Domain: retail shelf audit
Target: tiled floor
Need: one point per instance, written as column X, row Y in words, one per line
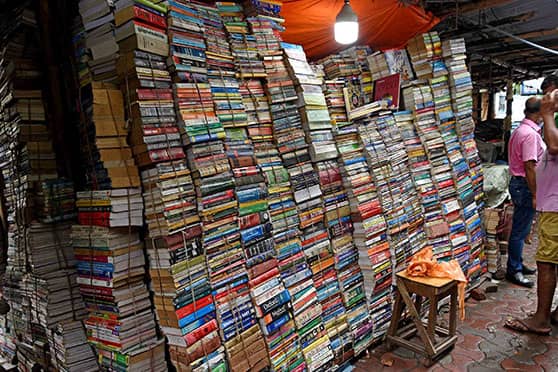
column 484, row 344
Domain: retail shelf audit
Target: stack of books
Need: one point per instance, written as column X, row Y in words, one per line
column 336, row 103
column 340, row 224
column 154, row 133
column 357, row 280
column 283, row 339
column 105, row 152
column 421, row 50
column 491, row 220
column 99, row 49
column 244, row 44
column 379, row 255
column 418, row 170
column 341, row 252
column 110, row 208
column 340, row 65
column 470, row 185
column 70, row 351
column 111, row 272
column 360, row 54
column 309, row 312
column 193, row 331
column 378, row 65
column 56, row 201
column 267, row 11
column 40, row 278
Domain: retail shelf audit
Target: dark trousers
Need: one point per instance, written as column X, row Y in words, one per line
column 523, row 214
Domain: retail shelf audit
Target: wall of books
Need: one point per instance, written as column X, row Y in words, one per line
column 243, row 208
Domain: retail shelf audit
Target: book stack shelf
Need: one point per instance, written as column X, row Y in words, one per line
column 39, row 281
column 196, row 341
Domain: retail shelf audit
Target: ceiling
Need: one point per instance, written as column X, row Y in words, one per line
column 495, row 57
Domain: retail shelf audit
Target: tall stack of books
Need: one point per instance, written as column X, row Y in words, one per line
column 308, row 195
column 418, row 168
column 111, row 265
column 340, row 226
column 111, row 274
column 379, row 256
column 197, row 344
column 39, row 282
column 470, row 177
column 323, row 153
column 284, row 340
column 341, row 252
column 357, row 279
column 419, row 98
column 240, row 333
column 98, row 48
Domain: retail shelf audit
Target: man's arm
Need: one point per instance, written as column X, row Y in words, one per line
column 531, row 177
column 548, row 107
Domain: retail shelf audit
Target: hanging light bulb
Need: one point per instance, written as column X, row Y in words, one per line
column 346, row 25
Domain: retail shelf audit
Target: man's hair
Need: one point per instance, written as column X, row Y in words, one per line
column 532, row 105
column 549, row 81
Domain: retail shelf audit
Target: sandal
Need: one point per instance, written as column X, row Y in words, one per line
column 520, row 326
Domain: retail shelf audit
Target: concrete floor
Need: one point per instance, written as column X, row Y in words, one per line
column 484, row 344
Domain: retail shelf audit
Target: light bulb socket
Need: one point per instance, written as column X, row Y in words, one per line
column 346, row 14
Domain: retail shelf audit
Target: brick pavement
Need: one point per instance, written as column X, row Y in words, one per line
column 484, row 344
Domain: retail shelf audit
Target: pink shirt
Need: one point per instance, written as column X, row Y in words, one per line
column 525, row 144
column 547, row 183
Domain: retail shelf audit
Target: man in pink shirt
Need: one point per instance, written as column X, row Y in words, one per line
column 526, row 149
column 547, row 205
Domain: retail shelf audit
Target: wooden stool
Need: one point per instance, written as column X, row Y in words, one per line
column 434, row 289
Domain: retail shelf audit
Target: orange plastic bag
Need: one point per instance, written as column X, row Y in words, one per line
column 423, row 263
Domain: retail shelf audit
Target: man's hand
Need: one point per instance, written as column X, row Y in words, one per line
column 549, row 104
column 534, row 202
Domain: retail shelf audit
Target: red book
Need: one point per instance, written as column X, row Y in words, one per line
column 188, row 309
column 199, row 333
column 149, row 17
column 264, row 277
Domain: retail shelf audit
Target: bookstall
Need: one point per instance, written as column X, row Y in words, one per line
column 239, row 206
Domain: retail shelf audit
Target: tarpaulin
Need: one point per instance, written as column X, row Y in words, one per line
column 384, row 24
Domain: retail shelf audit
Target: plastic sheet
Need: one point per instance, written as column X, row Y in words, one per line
column 424, row 264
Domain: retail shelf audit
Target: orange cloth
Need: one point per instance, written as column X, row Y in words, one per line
column 423, row 263
column 384, row 24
